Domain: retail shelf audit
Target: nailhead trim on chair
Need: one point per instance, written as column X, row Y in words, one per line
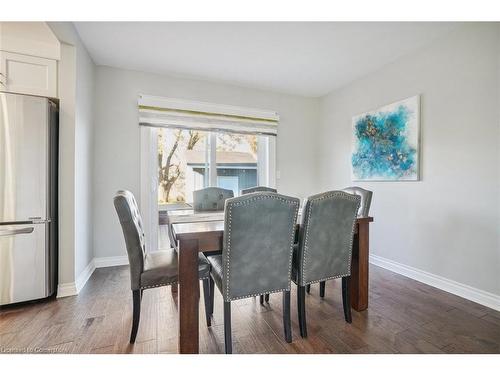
column 167, row 284
column 260, row 196
column 322, row 197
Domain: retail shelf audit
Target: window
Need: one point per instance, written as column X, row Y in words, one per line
column 236, row 158
column 190, row 160
column 187, row 145
column 183, row 164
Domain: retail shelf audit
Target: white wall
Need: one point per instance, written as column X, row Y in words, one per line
column 76, row 89
column 66, row 90
column 85, row 80
column 448, row 223
column 117, row 142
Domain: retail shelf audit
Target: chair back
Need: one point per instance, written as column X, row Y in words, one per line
column 258, row 188
column 366, row 199
column 132, row 227
column 259, row 231
column 211, row 198
column 326, row 237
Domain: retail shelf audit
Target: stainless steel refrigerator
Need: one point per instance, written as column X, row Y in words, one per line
column 28, row 197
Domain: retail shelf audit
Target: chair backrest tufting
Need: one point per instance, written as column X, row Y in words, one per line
column 211, row 198
column 259, row 231
column 366, row 199
column 326, row 236
column 133, row 231
column 258, row 188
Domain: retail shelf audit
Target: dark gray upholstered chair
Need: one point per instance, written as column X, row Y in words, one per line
column 366, row 199
column 258, row 188
column 257, row 251
column 363, row 211
column 150, row 270
column 324, row 250
column 211, row 198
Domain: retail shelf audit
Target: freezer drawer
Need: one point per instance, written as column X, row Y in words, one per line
column 24, row 262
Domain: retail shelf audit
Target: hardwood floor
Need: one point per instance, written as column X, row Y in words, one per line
column 404, row 316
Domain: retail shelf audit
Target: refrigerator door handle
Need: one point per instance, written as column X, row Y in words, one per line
column 11, row 232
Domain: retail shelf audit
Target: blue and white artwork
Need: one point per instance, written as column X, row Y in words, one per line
column 386, row 143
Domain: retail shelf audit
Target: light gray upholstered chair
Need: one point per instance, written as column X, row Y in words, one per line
column 258, row 188
column 150, row 270
column 211, row 198
column 324, row 250
column 366, row 199
column 363, row 211
column 257, row 251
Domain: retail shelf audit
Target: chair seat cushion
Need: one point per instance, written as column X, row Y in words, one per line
column 216, row 272
column 160, row 268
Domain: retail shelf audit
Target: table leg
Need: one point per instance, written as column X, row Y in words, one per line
column 359, row 268
column 189, row 291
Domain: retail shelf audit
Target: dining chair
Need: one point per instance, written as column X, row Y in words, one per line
column 254, row 190
column 258, row 188
column 363, row 211
column 150, row 269
column 324, row 250
column 366, row 199
column 256, row 255
column 211, row 198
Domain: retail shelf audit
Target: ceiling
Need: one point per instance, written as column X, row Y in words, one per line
column 302, row 58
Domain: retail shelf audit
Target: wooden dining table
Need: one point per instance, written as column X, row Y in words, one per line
column 203, row 231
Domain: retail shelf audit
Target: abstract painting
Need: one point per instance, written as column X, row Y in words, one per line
column 386, row 143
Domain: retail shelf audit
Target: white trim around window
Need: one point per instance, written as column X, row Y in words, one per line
column 149, row 187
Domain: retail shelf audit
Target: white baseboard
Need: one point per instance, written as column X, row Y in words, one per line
column 84, row 276
column 465, row 291
column 66, row 290
column 111, row 261
column 72, row 289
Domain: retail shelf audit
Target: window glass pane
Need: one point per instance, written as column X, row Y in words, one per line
column 182, row 164
column 236, row 156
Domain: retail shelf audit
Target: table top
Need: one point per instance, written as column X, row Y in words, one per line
column 193, row 230
column 189, row 224
column 190, row 216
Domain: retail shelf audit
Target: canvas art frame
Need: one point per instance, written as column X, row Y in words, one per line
column 386, row 142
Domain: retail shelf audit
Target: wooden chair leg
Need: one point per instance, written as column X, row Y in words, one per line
column 228, row 342
column 346, row 298
column 287, row 322
column 266, row 298
column 212, row 295
column 136, row 297
column 301, row 307
column 207, row 299
column 322, row 285
column 308, row 288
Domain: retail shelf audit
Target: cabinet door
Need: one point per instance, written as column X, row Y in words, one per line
column 28, row 74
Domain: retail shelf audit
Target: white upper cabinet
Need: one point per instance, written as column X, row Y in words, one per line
column 29, row 52
column 28, row 74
